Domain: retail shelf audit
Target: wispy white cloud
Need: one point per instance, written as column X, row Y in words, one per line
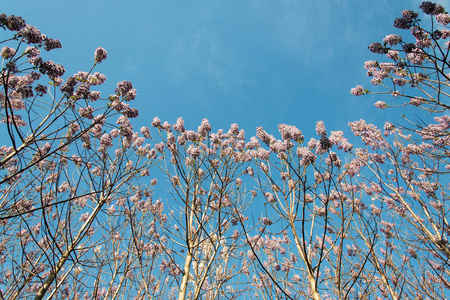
column 293, row 25
column 199, row 52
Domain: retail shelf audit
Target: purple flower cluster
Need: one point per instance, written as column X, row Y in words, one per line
column 31, row 34
column 82, row 91
column 14, row 103
column 204, row 128
column 352, row 250
column 320, row 128
column 179, row 126
column 106, row 141
column 11, row 67
column 380, row 104
column 278, row 146
column 289, row 132
column 392, row 39
column 333, row 159
column 234, row 129
column 68, row 87
column 96, row 78
column 145, row 131
column 26, row 91
column 408, row 47
column 418, row 33
column 100, row 55
column 307, row 157
column 156, row 122
column 194, row 152
column 94, row 95
column 427, row 7
column 409, row 14
column 263, row 136
column 96, row 171
column 399, row 81
column 407, row 19
column 357, row 91
column 393, row 54
column 50, row 44
column 377, row 48
column 170, row 138
column 12, row 22
column 175, row 180
column 7, row 52
column 253, row 144
column 270, row 197
column 387, row 230
column 417, row 101
column 40, row 89
column 444, row 19
column 52, row 69
column 337, row 138
column 369, row 134
column 192, row 136
column 32, row 52
column 431, row 8
column 125, row 89
column 263, row 154
column 16, row 119
column 324, row 144
column 86, row 112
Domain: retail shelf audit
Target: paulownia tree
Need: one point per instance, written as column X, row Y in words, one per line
column 79, row 216
column 208, row 199
column 91, row 208
column 371, row 223
column 68, row 154
column 406, row 167
column 316, row 238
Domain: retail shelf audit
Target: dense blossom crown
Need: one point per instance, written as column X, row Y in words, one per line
column 289, row 132
column 377, row 48
column 325, row 143
column 112, row 157
column 100, row 55
column 357, row 91
column 444, row 19
column 407, row 19
column 50, row 44
column 430, row 8
column 7, row 52
column 409, row 14
column 12, row 22
column 31, row 34
column 392, row 39
column 123, row 87
column 320, row 128
column 415, row 54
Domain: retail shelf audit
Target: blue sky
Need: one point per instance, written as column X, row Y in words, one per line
column 255, row 63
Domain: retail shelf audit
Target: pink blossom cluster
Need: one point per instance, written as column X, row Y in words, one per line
column 337, row 138
column 7, row 52
column 392, row 39
column 444, row 19
column 307, row 157
column 289, row 132
column 100, row 55
column 204, row 128
column 369, row 134
column 357, row 91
